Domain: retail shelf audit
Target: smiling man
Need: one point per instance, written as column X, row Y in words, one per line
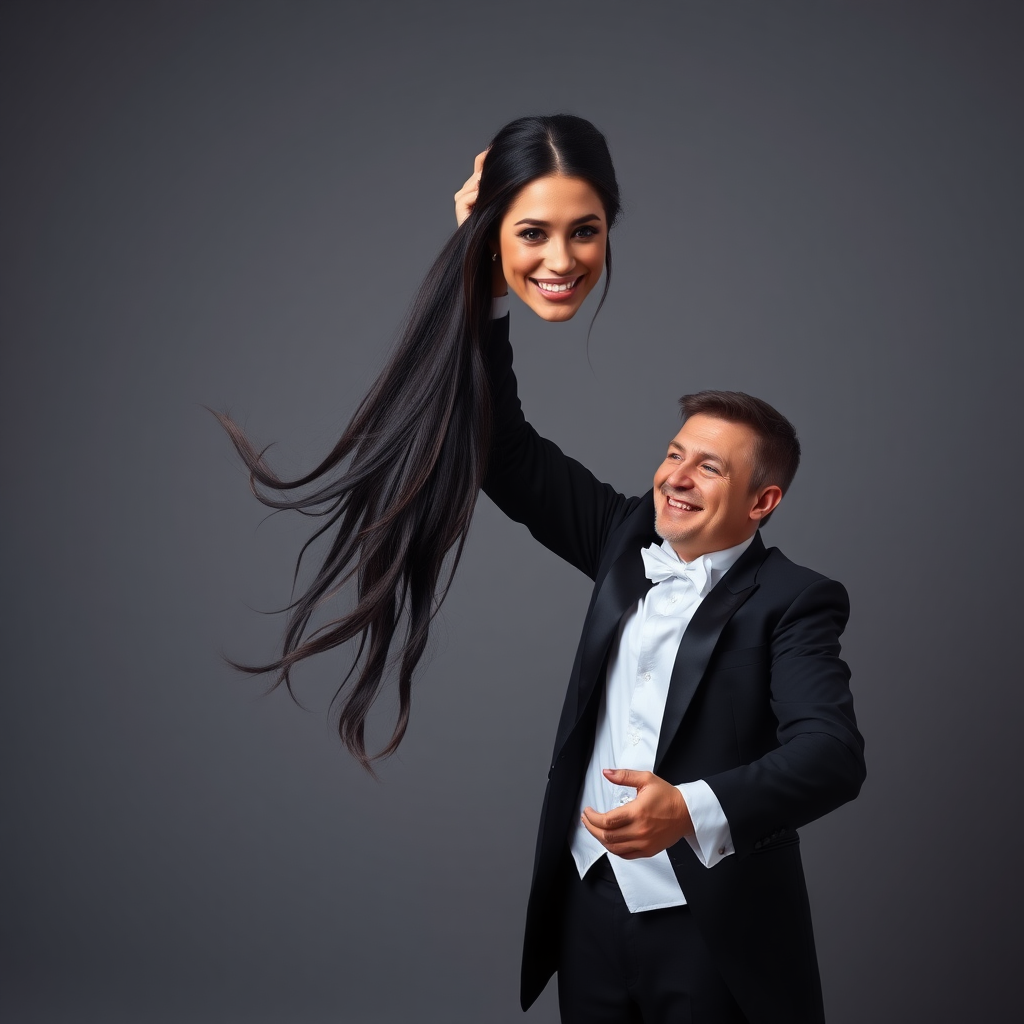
column 713, row 489
column 708, row 716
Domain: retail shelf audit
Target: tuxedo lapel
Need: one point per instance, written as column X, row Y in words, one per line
column 702, row 635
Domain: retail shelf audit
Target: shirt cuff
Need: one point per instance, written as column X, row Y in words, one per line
column 499, row 307
column 712, row 838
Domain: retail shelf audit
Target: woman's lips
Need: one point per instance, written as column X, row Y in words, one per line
column 555, row 290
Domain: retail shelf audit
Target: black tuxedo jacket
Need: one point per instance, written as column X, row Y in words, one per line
column 759, row 707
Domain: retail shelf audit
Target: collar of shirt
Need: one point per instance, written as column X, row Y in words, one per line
column 661, row 563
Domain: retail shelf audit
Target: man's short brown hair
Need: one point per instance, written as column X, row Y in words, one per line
column 777, row 452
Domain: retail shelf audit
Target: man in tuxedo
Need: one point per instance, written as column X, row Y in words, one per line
column 708, row 716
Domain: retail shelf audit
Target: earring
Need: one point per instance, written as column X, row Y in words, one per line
column 494, row 257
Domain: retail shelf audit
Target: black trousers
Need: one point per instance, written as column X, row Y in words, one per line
column 621, row 968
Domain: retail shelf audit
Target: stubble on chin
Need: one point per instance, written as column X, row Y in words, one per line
column 660, row 531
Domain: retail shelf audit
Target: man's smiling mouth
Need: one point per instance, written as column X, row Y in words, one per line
column 684, row 505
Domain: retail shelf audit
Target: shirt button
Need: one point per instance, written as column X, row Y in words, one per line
column 623, row 800
column 721, row 851
column 647, row 677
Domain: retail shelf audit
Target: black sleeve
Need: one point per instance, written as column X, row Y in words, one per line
column 562, row 503
column 819, row 763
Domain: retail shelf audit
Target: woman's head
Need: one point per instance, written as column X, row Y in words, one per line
column 552, row 243
column 548, row 197
column 423, row 431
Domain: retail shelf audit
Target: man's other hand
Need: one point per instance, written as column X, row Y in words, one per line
column 465, row 198
column 657, row 819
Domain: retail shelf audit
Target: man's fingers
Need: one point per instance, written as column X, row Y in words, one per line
column 627, row 777
column 608, row 821
column 465, row 200
column 618, row 840
column 654, row 821
column 471, row 184
column 595, row 819
column 597, row 828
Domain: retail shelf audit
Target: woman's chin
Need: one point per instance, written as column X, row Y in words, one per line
column 558, row 314
column 553, row 312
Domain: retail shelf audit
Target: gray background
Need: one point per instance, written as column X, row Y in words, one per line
column 231, row 204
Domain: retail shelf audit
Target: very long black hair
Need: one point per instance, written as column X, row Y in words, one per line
column 397, row 491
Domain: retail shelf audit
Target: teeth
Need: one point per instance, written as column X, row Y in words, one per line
column 683, row 505
column 546, row 287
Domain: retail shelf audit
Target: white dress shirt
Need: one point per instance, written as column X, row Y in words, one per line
column 629, row 725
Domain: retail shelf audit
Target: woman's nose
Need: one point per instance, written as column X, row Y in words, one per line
column 559, row 259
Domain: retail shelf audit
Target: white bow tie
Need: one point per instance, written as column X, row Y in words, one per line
column 660, row 566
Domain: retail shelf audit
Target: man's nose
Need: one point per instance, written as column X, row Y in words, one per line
column 680, row 477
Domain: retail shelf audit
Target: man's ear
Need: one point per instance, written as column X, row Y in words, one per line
column 767, row 499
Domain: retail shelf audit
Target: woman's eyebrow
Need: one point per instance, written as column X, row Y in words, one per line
column 547, row 224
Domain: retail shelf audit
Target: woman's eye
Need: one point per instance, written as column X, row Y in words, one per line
column 531, row 235
column 586, row 232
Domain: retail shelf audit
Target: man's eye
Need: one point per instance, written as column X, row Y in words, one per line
column 710, row 469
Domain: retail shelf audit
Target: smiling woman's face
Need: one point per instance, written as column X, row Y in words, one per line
column 552, row 243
